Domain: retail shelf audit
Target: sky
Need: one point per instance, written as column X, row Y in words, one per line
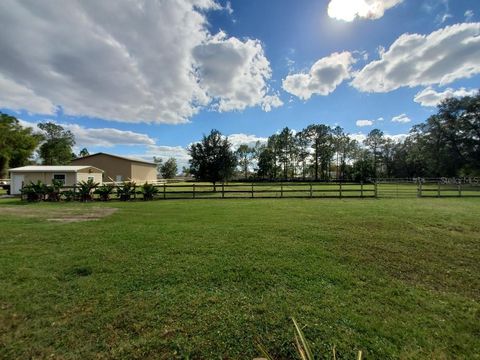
column 148, row 78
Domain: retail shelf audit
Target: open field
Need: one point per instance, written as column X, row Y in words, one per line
column 397, row 278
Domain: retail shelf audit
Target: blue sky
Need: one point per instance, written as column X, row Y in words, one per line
column 149, row 78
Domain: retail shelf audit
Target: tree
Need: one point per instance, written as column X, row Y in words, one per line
column 212, row 159
column 159, row 163
column 375, row 141
column 17, row 143
column 169, row 169
column 319, row 138
column 84, row 152
column 57, row 147
column 244, row 155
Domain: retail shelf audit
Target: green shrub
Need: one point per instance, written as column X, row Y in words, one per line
column 126, row 191
column 34, row 191
column 85, row 189
column 69, row 195
column 53, row 191
column 148, row 191
column 105, row 191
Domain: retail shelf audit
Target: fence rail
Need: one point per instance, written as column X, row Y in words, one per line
column 167, row 191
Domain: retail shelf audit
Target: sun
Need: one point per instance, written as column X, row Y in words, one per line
column 347, row 10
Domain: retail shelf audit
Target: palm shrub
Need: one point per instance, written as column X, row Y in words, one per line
column 126, row 191
column 34, row 191
column 85, row 189
column 68, row 195
column 105, row 191
column 148, row 191
column 53, row 191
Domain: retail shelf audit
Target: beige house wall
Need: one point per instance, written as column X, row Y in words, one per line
column 84, row 175
column 46, row 177
column 111, row 166
column 144, row 173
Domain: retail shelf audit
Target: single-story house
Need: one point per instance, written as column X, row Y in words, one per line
column 119, row 168
column 70, row 175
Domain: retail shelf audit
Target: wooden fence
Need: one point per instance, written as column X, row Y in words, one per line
column 252, row 190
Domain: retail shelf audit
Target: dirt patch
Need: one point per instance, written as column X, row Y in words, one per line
column 61, row 214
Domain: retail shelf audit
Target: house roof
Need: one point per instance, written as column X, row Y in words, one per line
column 116, row 156
column 52, row 168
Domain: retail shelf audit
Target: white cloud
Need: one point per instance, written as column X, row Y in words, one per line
column 234, row 73
column 360, row 137
column 362, row 123
column 15, row 96
column 402, row 118
column 239, row 139
column 103, row 137
column 469, row 14
column 431, row 97
column 441, row 57
column 323, row 78
column 133, row 61
column 348, row 10
column 380, row 119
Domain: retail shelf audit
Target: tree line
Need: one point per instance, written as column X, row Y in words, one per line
column 446, row 144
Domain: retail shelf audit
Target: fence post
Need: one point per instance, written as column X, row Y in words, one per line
column 164, row 191
column 281, row 190
column 252, row 189
column 438, row 189
column 340, row 185
column 311, row 192
column 419, row 189
column 375, row 188
column 194, row 190
column 361, row 189
column 459, row 190
column 223, row 190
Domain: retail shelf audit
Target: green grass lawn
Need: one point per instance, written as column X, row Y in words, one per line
column 396, row 278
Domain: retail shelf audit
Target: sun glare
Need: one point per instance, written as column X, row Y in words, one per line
column 347, row 10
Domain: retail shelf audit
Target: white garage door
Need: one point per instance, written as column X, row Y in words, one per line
column 16, row 183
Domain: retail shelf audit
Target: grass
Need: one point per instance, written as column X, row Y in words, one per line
column 395, row 278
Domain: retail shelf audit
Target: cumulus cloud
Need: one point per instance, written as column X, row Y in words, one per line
column 402, row 118
column 233, row 73
column 239, row 139
column 323, row 78
column 431, row 97
column 362, row 123
column 14, row 96
column 360, row 137
column 133, row 61
column 103, row 137
column 441, row 57
column 348, row 10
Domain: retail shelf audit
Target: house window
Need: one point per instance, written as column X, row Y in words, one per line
column 119, row 178
column 91, row 178
column 60, row 177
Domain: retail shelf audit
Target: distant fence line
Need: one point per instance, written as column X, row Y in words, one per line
column 378, row 189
